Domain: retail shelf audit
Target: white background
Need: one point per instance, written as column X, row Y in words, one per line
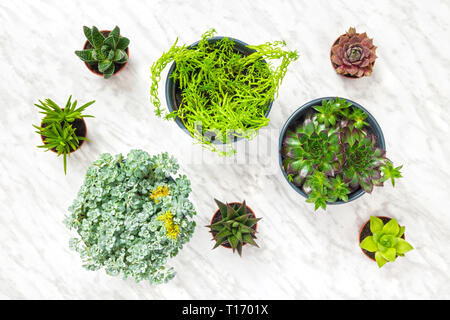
column 303, row 254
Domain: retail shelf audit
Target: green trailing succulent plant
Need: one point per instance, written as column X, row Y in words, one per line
column 386, row 241
column 223, row 90
column 105, row 51
column 332, row 153
column 235, row 227
column 56, row 129
column 131, row 215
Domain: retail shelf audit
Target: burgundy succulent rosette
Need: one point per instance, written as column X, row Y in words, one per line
column 353, row 54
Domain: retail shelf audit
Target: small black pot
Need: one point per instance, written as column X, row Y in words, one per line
column 171, row 99
column 298, row 117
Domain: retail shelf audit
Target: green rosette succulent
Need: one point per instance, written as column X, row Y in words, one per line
column 106, row 51
column 235, row 227
column 131, row 215
column 386, row 241
column 332, row 153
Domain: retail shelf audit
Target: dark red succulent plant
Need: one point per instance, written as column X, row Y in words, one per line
column 353, row 54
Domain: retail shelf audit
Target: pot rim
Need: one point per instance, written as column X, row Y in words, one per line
column 231, row 203
column 308, row 105
column 115, row 72
column 169, row 88
column 362, row 227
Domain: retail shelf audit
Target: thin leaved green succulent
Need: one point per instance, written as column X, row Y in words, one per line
column 333, row 152
column 224, row 93
column 56, row 127
column 386, row 241
column 105, row 51
column 235, row 227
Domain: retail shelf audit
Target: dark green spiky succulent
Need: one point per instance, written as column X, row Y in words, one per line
column 236, row 226
column 332, row 153
column 105, row 52
column 386, row 241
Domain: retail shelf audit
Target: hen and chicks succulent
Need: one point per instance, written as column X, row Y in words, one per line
column 353, row 54
column 333, row 153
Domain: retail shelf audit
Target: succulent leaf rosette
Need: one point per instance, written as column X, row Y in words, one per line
column 106, row 52
column 386, row 241
column 236, row 227
column 131, row 216
column 332, row 153
column 353, row 54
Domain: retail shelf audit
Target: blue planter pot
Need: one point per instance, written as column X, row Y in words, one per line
column 299, row 115
column 170, row 86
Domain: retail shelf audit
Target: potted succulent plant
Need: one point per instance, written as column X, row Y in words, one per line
column 382, row 239
column 332, row 151
column 105, row 52
column 62, row 130
column 131, row 215
column 233, row 225
column 220, row 89
column 353, row 54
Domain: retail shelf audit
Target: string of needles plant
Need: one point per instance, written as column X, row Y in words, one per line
column 333, row 152
column 224, row 93
column 57, row 131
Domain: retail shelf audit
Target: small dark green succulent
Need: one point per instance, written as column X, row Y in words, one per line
column 386, row 241
column 235, row 226
column 106, row 52
column 332, row 153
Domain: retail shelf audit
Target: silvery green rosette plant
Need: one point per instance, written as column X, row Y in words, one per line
column 131, row 216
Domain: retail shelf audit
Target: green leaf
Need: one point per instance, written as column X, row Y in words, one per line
column 110, row 42
column 376, row 224
column 109, row 72
column 401, row 232
column 368, row 244
column 403, row 246
column 123, row 43
column 222, row 207
column 249, row 239
column 104, row 65
column 88, row 33
column 389, row 254
column 115, row 33
column 381, row 261
column 97, row 38
column 223, row 233
column 391, row 227
column 86, row 55
column 118, row 55
column 233, row 241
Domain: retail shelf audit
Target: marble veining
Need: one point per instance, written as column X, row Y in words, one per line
column 303, row 255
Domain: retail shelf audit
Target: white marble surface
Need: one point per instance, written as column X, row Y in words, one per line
column 303, row 255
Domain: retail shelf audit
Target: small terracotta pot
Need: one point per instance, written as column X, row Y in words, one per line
column 385, row 220
column 335, row 65
column 227, row 244
column 83, row 124
column 95, row 70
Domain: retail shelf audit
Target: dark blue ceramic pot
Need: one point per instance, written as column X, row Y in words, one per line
column 298, row 116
